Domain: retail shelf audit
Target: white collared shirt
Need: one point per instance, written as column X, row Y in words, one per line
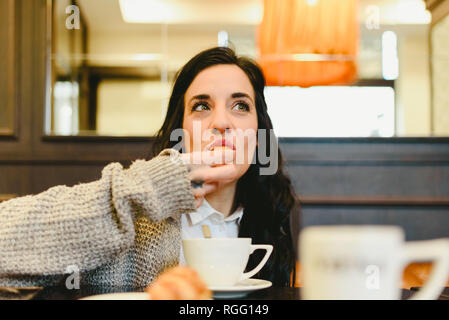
column 220, row 227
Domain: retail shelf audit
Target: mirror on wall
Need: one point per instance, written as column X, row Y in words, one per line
column 7, row 65
column 440, row 77
column 114, row 62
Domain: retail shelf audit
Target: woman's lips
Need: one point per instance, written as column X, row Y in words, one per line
column 220, row 143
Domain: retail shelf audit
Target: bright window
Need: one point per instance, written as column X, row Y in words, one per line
column 332, row 111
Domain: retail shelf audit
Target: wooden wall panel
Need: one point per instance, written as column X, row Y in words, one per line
column 400, row 181
column 418, row 222
column 370, row 180
column 8, row 80
column 33, row 178
column 394, row 167
column 46, row 176
column 15, row 179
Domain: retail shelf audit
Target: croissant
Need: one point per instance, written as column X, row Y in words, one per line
column 179, row 283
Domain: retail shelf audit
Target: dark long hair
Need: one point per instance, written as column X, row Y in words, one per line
column 267, row 200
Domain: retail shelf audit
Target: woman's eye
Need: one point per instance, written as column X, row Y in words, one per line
column 241, row 106
column 200, row 107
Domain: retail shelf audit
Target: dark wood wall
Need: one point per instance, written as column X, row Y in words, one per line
column 400, row 181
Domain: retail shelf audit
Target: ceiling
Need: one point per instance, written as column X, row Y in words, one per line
column 112, row 41
column 105, row 15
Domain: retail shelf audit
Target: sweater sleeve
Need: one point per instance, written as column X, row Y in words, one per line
column 89, row 224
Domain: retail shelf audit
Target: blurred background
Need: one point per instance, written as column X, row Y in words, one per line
column 335, row 68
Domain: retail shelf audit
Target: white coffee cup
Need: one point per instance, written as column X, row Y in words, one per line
column 222, row 261
column 366, row 262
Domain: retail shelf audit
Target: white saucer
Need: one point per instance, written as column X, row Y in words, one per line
column 240, row 289
column 120, row 296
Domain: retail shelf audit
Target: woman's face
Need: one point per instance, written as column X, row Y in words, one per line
column 220, row 112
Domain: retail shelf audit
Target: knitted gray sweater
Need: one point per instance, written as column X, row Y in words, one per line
column 121, row 230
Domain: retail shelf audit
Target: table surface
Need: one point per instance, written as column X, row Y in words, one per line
column 272, row 293
column 277, row 293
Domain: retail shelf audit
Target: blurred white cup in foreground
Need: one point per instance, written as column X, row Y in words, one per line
column 366, row 262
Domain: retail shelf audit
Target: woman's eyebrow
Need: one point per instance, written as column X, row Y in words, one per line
column 241, row 95
column 200, row 97
column 234, row 96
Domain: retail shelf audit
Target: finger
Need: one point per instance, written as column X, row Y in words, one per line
column 179, row 287
column 219, row 156
column 198, row 202
column 216, row 174
column 209, row 157
column 205, row 189
column 200, row 193
column 196, row 184
column 158, row 291
column 192, row 276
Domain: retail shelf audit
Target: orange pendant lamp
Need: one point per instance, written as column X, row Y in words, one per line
column 309, row 42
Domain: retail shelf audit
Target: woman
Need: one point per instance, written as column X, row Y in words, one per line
column 223, row 93
column 124, row 229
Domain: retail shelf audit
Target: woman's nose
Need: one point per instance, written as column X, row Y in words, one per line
column 221, row 121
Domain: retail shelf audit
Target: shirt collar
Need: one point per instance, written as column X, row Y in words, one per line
column 206, row 210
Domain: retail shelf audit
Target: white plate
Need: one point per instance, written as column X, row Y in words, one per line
column 239, row 290
column 120, row 296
